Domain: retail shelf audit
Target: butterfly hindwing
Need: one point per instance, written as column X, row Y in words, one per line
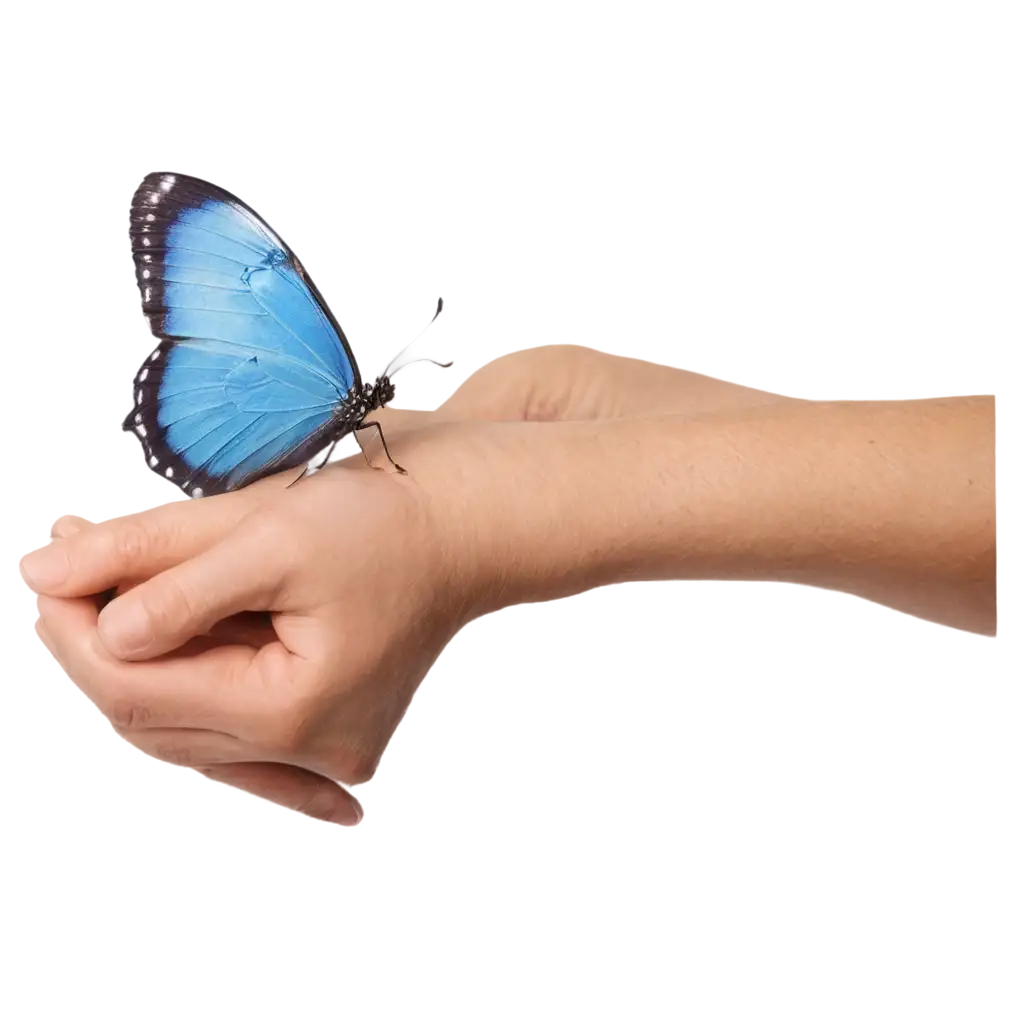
column 251, row 368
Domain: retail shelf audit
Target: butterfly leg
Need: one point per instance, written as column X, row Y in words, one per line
column 307, row 472
column 355, row 437
column 380, row 434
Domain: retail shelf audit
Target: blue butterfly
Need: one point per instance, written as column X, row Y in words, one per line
column 253, row 375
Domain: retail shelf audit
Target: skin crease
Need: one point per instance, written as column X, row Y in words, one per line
column 256, row 642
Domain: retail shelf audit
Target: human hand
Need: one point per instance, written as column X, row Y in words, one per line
column 590, row 379
column 236, row 698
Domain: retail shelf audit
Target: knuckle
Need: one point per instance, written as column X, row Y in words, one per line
column 353, row 767
column 126, row 714
column 267, row 527
column 175, row 753
column 172, row 604
column 129, row 716
column 276, row 536
column 130, row 540
column 264, row 524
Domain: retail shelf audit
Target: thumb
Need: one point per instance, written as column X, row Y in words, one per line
column 242, row 572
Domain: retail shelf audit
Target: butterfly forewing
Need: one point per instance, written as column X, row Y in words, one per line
column 251, row 368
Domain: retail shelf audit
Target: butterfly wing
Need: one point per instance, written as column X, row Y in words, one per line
column 252, row 368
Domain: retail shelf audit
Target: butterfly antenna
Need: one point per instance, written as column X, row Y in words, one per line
column 397, row 364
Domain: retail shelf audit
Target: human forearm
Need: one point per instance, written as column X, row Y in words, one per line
column 893, row 501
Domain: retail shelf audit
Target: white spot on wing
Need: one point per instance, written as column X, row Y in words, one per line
column 167, row 183
column 143, row 375
column 197, row 492
column 138, row 417
column 141, row 430
column 156, row 353
column 150, row 216
column 145, row 273
column 145, row 241
column 169, row 473
column 138, row 398
column 154, row 461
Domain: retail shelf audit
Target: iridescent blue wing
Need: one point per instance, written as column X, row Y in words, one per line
column 252, row 368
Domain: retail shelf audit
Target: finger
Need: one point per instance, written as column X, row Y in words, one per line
column 187, row 748
column 240, row 691
column 292, row 787
column 88, row 559
column 66, row 523
column 244, row 572
column 93, row 559
column 249, row 629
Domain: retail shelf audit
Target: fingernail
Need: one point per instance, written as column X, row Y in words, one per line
column 331, row 808
column 351, row 820
column 125, row 628
column 47, row 567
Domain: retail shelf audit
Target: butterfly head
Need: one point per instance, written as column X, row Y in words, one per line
column 360, row 402
column 381, row 392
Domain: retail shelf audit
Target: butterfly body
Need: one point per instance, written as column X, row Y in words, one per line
column 252, row 374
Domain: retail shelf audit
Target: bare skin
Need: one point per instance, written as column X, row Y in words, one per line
column 256, row 641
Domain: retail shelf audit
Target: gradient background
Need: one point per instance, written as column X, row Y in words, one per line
column 853, row 855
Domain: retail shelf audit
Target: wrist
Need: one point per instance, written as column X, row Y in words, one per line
column 503, row 516
column 528, row 511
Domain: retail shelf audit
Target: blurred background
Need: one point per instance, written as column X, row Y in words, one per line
column 669, row 801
